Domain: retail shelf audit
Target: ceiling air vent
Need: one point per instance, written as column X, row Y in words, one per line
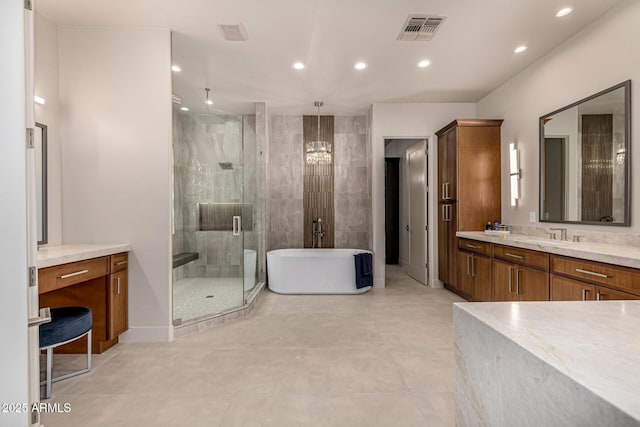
column 234, row 32
column 420, row 27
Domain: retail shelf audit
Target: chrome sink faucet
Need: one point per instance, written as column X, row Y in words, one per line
column 563, row 233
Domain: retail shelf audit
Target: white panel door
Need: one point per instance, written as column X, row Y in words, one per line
column 416, row 177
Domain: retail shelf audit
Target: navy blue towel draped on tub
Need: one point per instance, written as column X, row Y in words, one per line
column 364, row 270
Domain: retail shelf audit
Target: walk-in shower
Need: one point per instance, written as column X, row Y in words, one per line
column 217, row 211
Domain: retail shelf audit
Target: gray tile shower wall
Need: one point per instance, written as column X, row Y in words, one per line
column 352, row 186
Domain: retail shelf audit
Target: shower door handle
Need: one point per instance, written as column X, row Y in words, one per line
column 237, row 225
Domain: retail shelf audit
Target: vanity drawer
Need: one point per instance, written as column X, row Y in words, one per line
column 119, row 262
column 623, row 278
column 539, row 260
column 476, row 246
column 59, row 276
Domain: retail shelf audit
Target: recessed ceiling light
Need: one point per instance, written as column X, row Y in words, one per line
column 360, row 65
column 208, row 102
column 184, row 108
column 176, row 68
column 564, row 12
column 520, row 49
column 298, row 66
column 424, row 63
column 38, row 100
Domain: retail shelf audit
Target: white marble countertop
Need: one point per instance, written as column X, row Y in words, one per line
column 595, row 343
column 628, row 256
column 49, row 256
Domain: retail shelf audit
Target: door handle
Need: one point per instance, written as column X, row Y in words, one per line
column 468, row 265
column 444, row 194
column 237, row 225
column 517, row 281
column 447, row 187
column 43, row 317
column 117, row 279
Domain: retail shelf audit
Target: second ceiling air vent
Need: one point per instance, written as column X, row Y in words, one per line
column 234, row 32
column 420, row 27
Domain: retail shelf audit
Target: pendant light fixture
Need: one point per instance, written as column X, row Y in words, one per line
column 318, row 152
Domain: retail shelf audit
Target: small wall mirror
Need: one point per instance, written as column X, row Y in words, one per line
column 584, row 160
column 40, row 140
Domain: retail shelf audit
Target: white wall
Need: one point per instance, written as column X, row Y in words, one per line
column 408, row 121
column 115, row 127
column 46, row 86
column 600, row 56
column 14, row 356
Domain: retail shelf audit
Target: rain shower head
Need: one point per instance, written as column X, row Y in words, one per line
column 226, row 165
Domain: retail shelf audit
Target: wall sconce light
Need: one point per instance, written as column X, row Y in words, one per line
column 514, row 173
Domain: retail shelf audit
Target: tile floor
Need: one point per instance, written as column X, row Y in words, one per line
column 201, row 296
column 383, row 358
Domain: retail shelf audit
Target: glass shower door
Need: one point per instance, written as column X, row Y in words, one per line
column 210, row 216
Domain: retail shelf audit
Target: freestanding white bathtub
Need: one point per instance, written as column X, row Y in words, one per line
column 313, row 271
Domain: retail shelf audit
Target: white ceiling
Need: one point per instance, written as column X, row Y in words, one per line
column 472, row 53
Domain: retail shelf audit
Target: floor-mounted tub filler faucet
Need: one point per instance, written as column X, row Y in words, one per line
column 318, row 234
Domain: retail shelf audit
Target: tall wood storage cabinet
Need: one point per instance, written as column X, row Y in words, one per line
column 468, row 188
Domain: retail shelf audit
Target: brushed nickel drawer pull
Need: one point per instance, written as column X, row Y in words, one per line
column 510, row 279
column 513, row 255
column 473, row 266
column 518, row 281
column 117, row 286
column 591, row 273
column 122, row 262
column 473, row 246
column 77, row 273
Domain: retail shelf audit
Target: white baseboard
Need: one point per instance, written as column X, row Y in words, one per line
column 378, row 283
column 147, row 334
column 437, row 284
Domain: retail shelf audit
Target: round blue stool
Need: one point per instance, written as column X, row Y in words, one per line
column 67, row 324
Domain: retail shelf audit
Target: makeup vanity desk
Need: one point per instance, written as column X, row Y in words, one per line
column 94, row 276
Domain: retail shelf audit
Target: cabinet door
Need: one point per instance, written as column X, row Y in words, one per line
column 465, row 278
column 117, row 304
column 503, row 281
column 481, row 270
column 563, row 289
column 452, row 244
column 606, row 294
column 531, row 285
column 452, row 167
column 443, row 246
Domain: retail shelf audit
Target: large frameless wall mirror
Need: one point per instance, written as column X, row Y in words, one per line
column 40, row 140
column 584, row 160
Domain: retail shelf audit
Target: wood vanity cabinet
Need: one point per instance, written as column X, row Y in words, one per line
column 468, row 190
column 118, row 296
column 98, row 283
column 520, row 274
column 474, row 270
column 563, row 289
column 576, row 279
